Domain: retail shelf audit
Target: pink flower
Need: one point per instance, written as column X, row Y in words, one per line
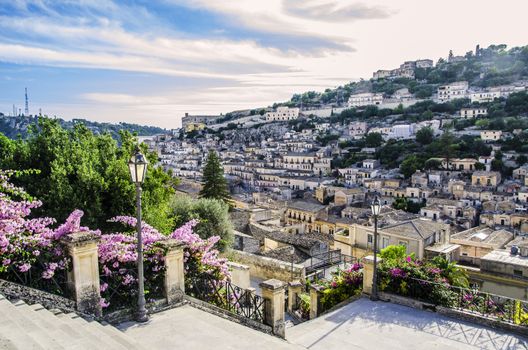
column 24, row 267
column 6, row 262
column 104, row 304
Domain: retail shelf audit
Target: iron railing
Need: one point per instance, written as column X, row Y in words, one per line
column 223, row 294
column 34, row 278
column 321, row 265
column 468, row 300
column 120, row 287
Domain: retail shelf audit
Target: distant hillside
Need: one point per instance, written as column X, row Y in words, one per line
column 12, row 127
column 492, row 66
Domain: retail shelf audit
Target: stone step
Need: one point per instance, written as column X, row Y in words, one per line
column 33, row 327
column 23, row 328
column 96, row 330
column 69, row 336
column 120, row 337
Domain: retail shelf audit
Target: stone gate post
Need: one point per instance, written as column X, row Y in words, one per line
column 368, row 273
column 174, row 285
column 83, row 278
column 294, row 289
column 273, row 294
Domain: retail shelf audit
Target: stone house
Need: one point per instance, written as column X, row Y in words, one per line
column 485, row 178
column 302, row 212
column 479, row 241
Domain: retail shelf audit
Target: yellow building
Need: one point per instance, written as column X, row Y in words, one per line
column 485, row 178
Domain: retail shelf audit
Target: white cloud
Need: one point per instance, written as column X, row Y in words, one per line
column 346, row 39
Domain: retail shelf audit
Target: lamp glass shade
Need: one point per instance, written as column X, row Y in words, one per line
column 376, row 206
column 138, row 167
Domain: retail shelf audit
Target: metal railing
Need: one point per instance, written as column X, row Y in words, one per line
column 119, row 287
column 227, row 296
column 473, row 301
column 34, row 278
column 326, row 259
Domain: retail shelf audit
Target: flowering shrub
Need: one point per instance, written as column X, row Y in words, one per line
column 31, row 252
column 29, row 249
column 344, row 284
column 118, row 256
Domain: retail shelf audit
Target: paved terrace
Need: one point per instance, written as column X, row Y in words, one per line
column 360, row 325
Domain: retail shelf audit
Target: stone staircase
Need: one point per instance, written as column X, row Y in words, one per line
column 27, row 327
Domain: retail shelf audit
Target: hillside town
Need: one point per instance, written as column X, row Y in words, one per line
column 302, row 199
column 383, row 212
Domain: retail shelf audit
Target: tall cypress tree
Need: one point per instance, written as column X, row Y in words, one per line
column 215, row 184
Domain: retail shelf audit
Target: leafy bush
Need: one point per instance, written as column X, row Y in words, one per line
column 212, row 216
column 344, row 284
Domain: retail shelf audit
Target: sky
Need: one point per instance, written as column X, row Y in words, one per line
column 150, row 62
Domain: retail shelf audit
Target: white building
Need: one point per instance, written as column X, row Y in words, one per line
column 490, row 94
column 403, row 131
column 365, row 99
column 283, row 114
column 490, row 135
column 452, row 91
column 468, row 113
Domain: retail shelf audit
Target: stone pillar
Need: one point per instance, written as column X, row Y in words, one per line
column 83, row 278
column 368, row 273
column 273, row 294
column 315, row 300
column 240, row 275
column 294, row 289
column 174, row 285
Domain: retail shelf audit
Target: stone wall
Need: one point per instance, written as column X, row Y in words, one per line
column 240, row 220
column 29, row 295
column 268, row 268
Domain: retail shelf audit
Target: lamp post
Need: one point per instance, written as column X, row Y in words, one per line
column 138, row 170
column 376, row 207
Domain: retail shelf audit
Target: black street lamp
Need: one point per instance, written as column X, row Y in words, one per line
column 376, row 207
column 138, row 170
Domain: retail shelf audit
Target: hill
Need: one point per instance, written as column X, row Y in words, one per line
column 14, row 127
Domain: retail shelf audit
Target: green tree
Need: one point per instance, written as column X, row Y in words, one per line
column 215, row 184
column 425, row 135
column 410, row 165
column 79, row 170
column 479, row 166
column 373, row 139
column 212, row 215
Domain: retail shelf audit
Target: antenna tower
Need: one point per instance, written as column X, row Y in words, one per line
column 26, row 112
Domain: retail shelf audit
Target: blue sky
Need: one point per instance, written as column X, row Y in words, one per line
column 149, row 62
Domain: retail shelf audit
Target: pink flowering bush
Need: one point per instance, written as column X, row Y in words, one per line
column 31, row 252
column 118, row 256
column 344, row 284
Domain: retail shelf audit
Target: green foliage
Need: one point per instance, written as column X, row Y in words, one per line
column 410, row 165
column 394, row 253
column 215, row 184
column 456, row 276
column 13, row 127
column 344, row 285
column 408, row 205
column 425, row 135
column 373, row 139
column 212, row 215
column 77, row 169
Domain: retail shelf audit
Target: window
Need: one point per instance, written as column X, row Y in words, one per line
column 385, row 242
column 403, row 243
column 518, row 273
